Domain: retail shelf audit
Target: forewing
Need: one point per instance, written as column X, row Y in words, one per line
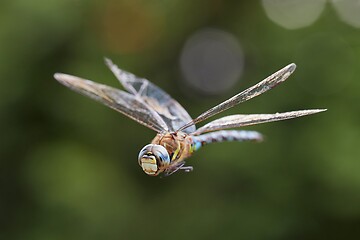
column 174, row 115
column 116, row 99
column 241, row 120
column 263, row 86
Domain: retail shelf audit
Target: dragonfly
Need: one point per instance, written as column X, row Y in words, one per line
column 177, row 137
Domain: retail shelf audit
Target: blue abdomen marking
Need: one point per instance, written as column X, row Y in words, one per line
column 225, row 136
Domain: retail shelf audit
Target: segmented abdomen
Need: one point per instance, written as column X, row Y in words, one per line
column 225, row 136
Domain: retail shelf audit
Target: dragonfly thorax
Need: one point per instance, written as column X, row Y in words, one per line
column 153, row 159
column 177, row 137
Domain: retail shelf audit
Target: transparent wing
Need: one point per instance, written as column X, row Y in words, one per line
column 240, row 120
column 116, row 99
column 169, row 109
column 263, row 86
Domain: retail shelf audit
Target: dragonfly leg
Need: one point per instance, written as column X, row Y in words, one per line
column 187, row 168
column 178, row 167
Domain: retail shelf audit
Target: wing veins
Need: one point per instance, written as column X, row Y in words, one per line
column 240, row 120
column 173, row 114
column 123, row 102
column 256, row 90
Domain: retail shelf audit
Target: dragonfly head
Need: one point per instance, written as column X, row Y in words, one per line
column 153, row 159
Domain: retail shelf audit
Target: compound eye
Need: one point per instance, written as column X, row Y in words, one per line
column 161, row 155
column 145, row 150
column 153, row 158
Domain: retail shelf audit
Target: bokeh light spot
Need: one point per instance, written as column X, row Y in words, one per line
column 212, row 61
column 293, row 14
column 348, row 11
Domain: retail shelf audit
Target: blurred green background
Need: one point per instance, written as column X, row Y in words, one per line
column 68, row 165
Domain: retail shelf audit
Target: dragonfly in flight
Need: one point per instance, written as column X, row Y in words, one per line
column 177, row 137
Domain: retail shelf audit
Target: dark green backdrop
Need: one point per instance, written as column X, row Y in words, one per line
column 68, row 165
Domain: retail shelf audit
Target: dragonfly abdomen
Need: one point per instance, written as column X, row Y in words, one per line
column 225, row 136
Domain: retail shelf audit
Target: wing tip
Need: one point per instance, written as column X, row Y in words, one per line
column 290, row 68
column 313, row 111
column 108, row 61
column 68, row 80
column 57, row 75
column 61, row 77
column 320, row 110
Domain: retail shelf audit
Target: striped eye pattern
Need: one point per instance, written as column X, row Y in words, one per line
column 153, row 158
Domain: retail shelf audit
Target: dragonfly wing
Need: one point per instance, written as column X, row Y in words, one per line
column 116, row 99
column 240, row 120
column 174, row 115
column 263, row 86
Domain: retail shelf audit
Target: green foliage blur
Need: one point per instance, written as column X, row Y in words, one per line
column 68, row 165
